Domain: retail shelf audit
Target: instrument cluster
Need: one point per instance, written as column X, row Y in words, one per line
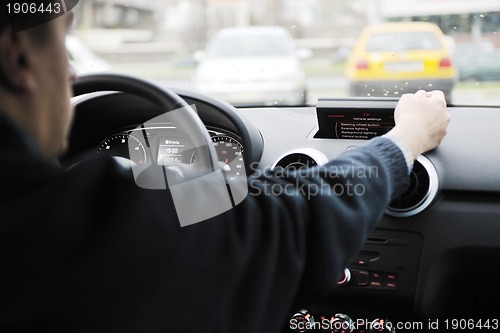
column 165, row 144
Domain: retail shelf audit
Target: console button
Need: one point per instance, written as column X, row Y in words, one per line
column 345, row 278
column 302, row 321
column 359, row 277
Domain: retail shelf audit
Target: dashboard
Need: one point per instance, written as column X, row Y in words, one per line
column 434, row 255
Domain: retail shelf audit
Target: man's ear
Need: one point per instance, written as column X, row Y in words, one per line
column 15, row 71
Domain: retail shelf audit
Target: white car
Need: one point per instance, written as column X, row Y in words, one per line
column 82, row 59
column 252, row 66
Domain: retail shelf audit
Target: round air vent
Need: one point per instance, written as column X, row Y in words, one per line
column 304, row 158
column 422, row 190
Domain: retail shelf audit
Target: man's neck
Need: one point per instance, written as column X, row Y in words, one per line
column 13, row 135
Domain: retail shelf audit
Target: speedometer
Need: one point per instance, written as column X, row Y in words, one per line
column 230, row 154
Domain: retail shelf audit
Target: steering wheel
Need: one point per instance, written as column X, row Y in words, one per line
column 185, row 118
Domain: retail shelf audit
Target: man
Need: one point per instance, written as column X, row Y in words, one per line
column 86, row 250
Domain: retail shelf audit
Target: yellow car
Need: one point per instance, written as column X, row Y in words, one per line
column 391, row 59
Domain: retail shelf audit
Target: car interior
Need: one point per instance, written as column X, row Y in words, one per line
column 432, row 256
column 431, row 263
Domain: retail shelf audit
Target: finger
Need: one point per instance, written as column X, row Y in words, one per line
column 435, row 93
column 438, row 95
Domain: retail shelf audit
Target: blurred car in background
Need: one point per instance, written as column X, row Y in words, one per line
column 252, row 66
column 479, row 65
column 394, row 58
column 83, row 60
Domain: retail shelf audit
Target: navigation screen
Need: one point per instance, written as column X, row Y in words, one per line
column 353, row 120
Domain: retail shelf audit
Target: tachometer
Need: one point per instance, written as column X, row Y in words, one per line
column 118, row 145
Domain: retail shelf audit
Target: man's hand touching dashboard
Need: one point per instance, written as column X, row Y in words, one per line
column 421, row 121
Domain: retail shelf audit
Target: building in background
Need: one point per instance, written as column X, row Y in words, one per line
column 325, row 26
column 465, row 20
column 132, row 14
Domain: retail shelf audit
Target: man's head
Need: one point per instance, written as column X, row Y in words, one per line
column 35, row 81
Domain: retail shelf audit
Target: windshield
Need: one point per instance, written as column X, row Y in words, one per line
column 250, row 46
column 328, row 48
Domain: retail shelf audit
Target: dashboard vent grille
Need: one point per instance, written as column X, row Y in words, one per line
column 296, row 161
column 301, row 158
column 421, row 192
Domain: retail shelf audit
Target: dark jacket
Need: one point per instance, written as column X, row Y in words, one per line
column 86, row 250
